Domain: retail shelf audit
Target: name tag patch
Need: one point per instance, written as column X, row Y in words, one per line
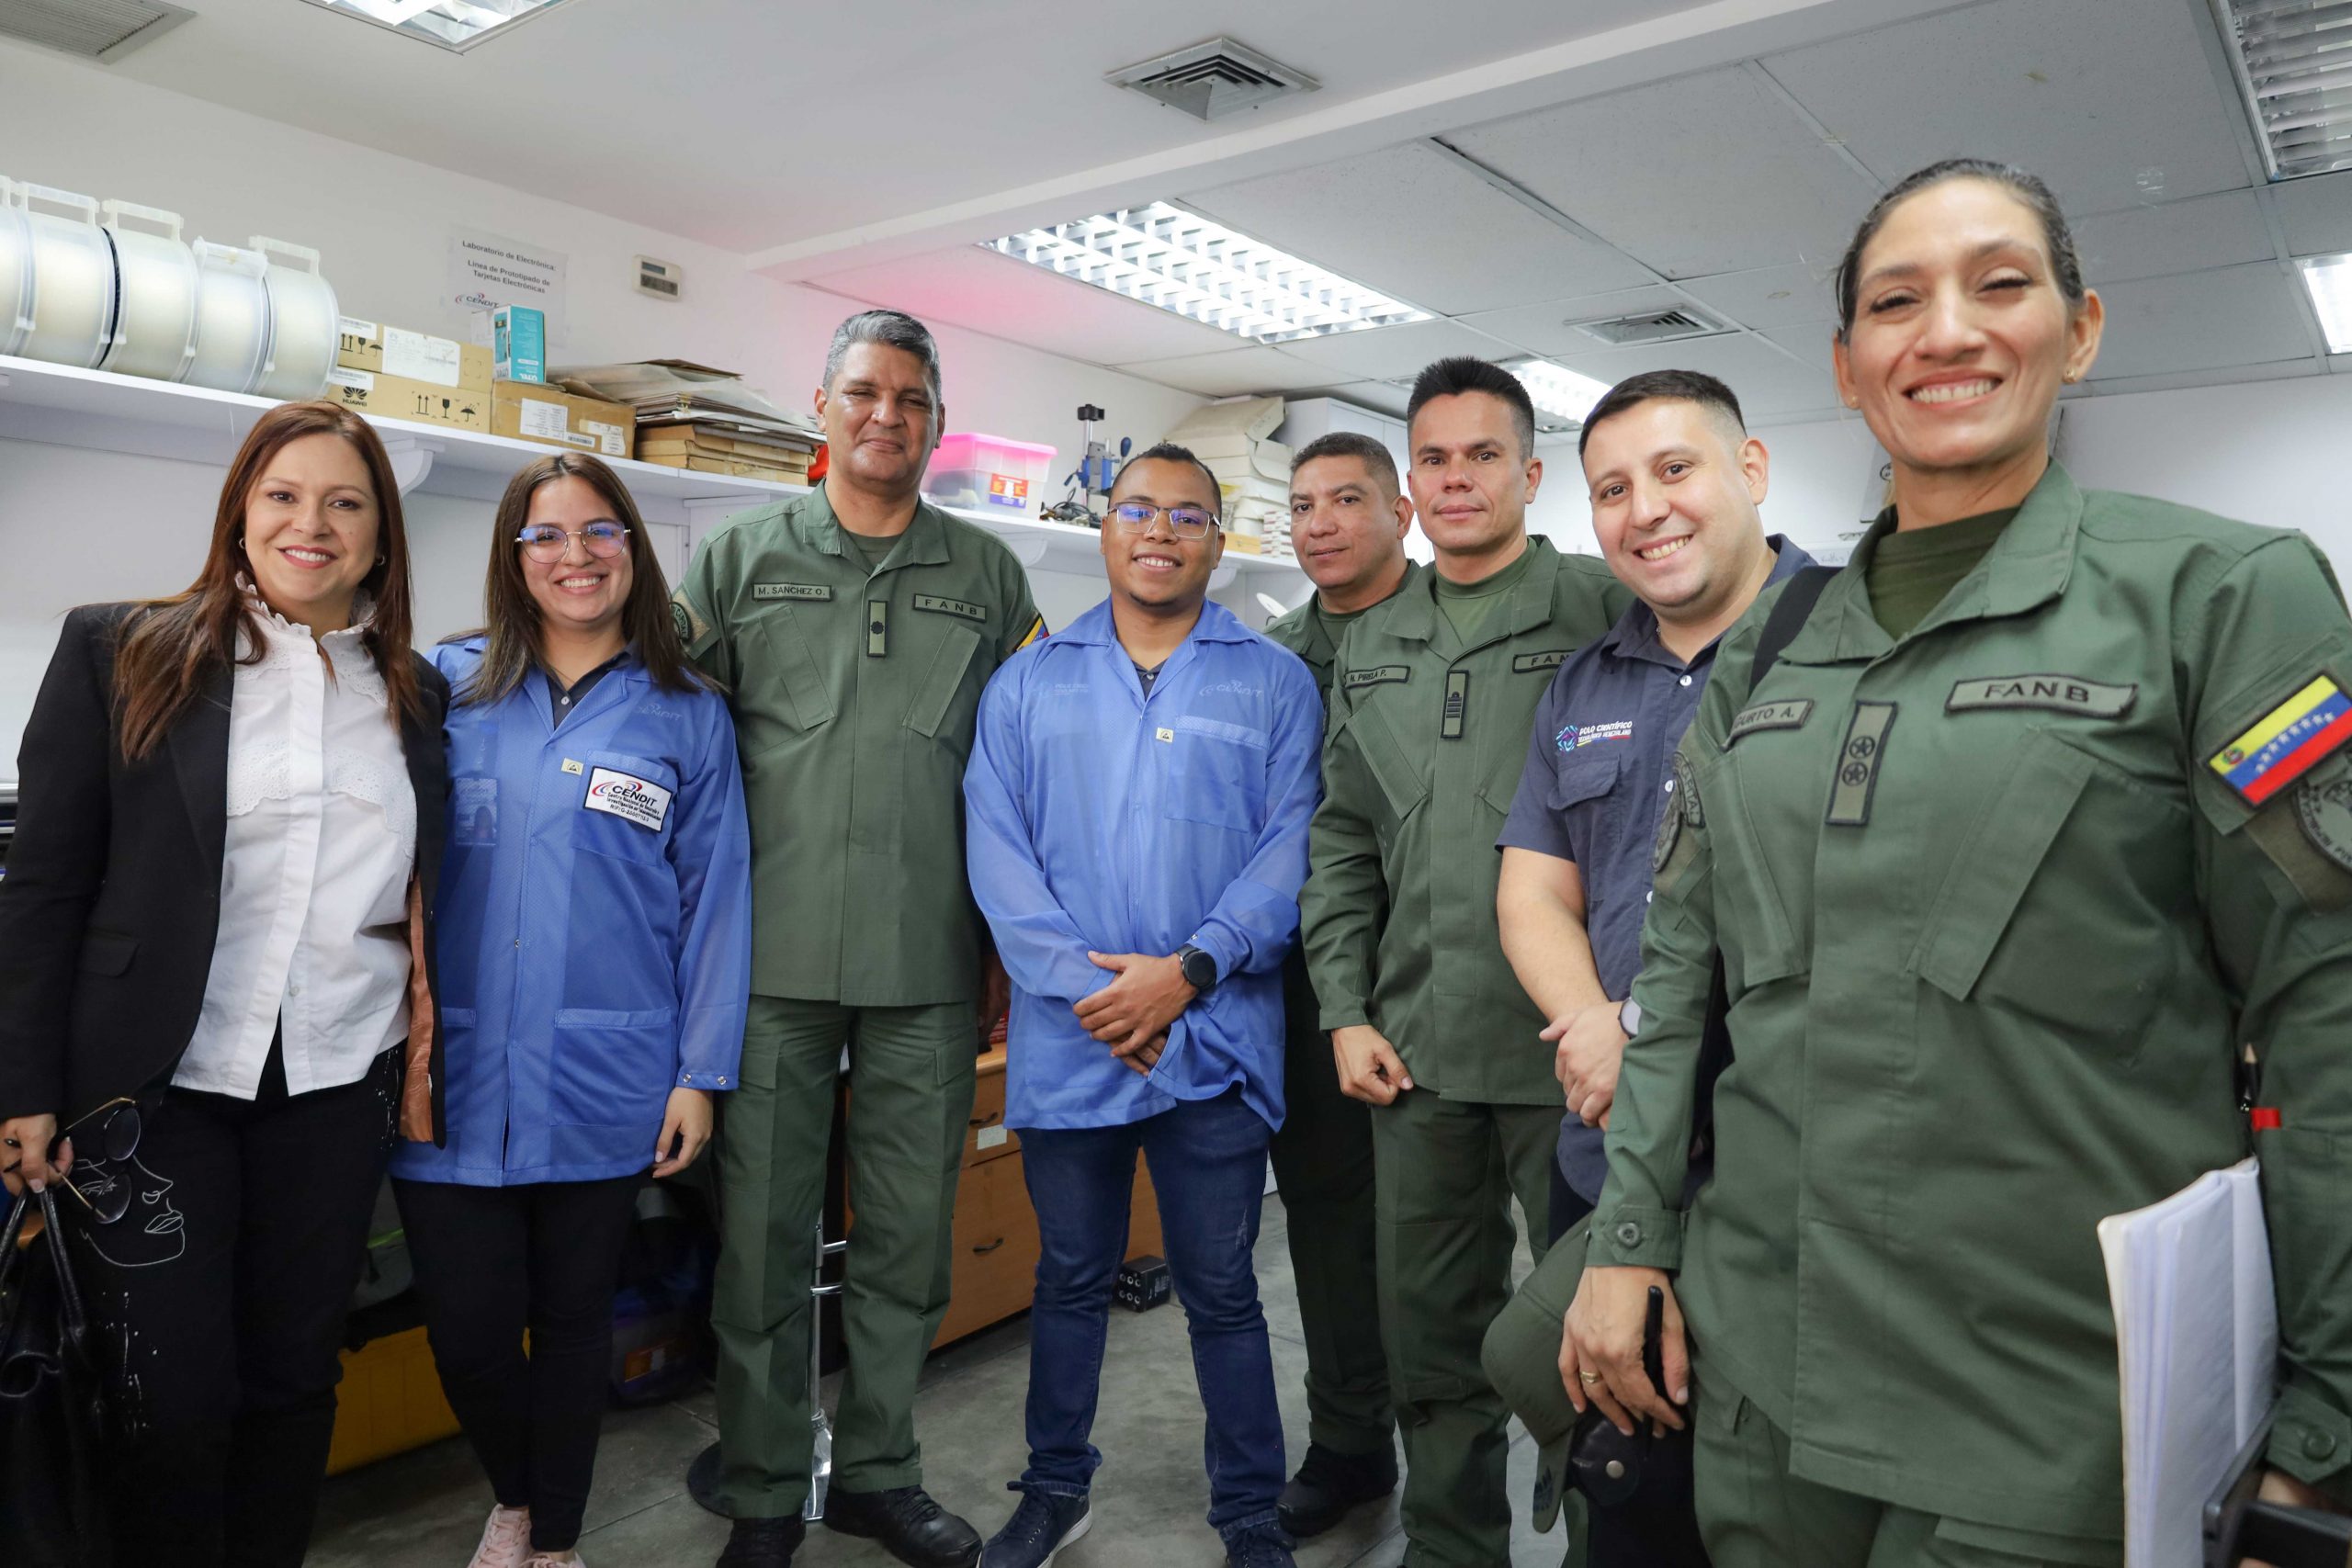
column 791, row 590
column 1768, row 715
column 963, row 607
column 2057, row 694
column 1576, row 736
column 1527, row 662
column 2287, row 742
column 629, row 797
column 1379, row 674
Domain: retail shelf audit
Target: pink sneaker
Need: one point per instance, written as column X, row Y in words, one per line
column 555, row 1559
column 505, row 1540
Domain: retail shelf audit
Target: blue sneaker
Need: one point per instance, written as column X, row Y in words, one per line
column 1042, row 1526
column 1268, row 1546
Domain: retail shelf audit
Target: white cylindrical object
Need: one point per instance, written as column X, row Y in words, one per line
column 15, row 268
column 155, row 326
column 73, row 279
column 231, row 318
column 305, row 321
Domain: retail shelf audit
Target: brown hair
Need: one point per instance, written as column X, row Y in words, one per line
column 514, row 616
column 168, row 647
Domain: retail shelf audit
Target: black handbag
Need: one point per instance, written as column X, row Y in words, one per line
column 52, row 1403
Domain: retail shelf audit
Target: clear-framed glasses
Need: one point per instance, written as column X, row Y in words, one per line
column 113, row 1128
column 1189, row 522
column 545, row 541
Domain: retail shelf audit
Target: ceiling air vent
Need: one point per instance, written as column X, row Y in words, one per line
column 1655, row 326
column 94, row 29
column 1214, row 79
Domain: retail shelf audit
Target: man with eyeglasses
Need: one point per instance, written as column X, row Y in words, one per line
column 854, row 627
column 1140, row 797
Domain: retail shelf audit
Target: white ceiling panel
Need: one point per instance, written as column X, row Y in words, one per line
column 1254, row 369
column 1415, row 224
column 2315, row 214
column 1544, row 328
column 1810, row 344
column 2203, row 232
column 1770, row 296
column 1009, row 298
column 2111, row 101
column 1386, row 397
column 1766, row 382
column 2201, row 320
column 1704, row 173
column 1396, row 350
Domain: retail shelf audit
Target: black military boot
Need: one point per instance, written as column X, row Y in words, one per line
column 911, row 1527
column 1328, row 1484
column 763, row 1544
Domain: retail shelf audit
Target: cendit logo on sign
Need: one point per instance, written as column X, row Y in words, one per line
column 627, row 797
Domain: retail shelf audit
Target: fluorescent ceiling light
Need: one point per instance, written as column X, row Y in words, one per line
column 2330, row 280
column 456, row 25
column 1164, row 256
column 2294, row 62
column 1562, row 398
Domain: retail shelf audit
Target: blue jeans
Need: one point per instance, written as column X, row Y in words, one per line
column 1208, row 1165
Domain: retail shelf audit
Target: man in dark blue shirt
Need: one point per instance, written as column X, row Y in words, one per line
column 1674, row 480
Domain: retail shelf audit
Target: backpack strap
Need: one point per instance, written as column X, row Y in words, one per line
column 1790, row 613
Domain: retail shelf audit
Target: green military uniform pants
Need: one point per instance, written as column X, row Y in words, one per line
column 1754, row 1513
column 1445, row 1171
column 1323, row 1166
column 910, row 1097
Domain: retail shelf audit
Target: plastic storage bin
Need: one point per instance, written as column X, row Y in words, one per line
column 988, row 473
column 305, row 321
column 154, row 325
column 73, row 304
column 231, row 318
column 15, row 268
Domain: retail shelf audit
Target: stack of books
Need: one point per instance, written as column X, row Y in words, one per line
column 692, row 416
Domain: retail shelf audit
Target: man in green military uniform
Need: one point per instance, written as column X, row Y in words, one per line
column 1347, row 518
column 1433, row 695
column 856, row 626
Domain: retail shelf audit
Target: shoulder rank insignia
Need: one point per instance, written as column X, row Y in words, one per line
column 2287, row 742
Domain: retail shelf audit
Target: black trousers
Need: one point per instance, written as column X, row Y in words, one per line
column 220, row 1300
column 491, row 1261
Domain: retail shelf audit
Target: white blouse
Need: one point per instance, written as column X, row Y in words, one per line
column 321, row 838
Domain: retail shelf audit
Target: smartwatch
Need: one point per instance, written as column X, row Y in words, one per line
column 1200, row 969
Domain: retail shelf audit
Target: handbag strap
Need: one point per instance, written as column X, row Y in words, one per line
column 72, row 1317
column 10, row 1266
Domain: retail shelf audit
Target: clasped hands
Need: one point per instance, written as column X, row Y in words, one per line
column 1132, row 1014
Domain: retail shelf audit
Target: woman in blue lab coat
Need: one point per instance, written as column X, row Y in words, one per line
column 594, row 958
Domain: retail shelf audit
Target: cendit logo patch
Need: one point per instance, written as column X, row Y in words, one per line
column 631, row 799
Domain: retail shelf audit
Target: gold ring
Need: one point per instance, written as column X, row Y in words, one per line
column 1588, row 1377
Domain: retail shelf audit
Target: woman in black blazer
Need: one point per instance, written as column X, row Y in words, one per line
column 230, row 818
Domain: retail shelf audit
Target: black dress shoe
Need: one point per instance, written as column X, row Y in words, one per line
column 911, row 1527
column 1328, row 1484
column 763, row 1543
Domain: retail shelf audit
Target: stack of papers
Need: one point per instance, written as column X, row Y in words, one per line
column 1252, row 472
column 2197, row 1337
column 680, row 392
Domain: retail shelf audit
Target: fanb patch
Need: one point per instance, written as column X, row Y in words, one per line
column 2287, row 742
column 1527, row 662
column 963, row 607
column 2058, row 694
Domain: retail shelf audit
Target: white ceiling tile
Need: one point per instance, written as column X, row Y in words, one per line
column 1793, row 296
column 2315, row 214
column 1008, row 299
column 1413, row 222
column 2205, row 231
column 2111, row 101
column 1810, row 344
column 1704, row 173
column 1236, row 371
column 1548, row 328
column 1386, row 397
column 1396, row 350
column 1767, row 383
column 2201, row 320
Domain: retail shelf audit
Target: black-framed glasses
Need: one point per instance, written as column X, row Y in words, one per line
column 1189, row 522
column 113, row 1128
column 545, row 542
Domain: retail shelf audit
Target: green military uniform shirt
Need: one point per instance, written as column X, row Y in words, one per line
column 1306, row 632
column 855, row 700
column 1425, row 743
column 1993, row 927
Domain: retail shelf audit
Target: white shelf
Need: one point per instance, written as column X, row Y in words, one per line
column 101, row 411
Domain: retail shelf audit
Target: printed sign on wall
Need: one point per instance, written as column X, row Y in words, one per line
column 489, row 270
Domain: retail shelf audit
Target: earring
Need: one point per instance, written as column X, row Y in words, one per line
column 379, row 561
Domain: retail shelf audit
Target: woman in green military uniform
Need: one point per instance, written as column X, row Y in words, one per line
column 2037, row 820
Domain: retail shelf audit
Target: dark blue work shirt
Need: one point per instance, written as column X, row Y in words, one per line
column 1599, row 770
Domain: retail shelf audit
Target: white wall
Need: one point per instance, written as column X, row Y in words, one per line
column 77, row 525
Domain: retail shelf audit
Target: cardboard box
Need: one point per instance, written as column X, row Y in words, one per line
column 412, row 356
column 518, row 344
column 528, row 411
column 396, row 397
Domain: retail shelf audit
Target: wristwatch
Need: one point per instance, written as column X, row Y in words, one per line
column 1629, row 1018
column 1200, row 969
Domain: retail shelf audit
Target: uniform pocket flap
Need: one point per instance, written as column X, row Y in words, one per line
column 107, row 952
column 941, row 682
column 1400, row 783
column 1239, row 734
column 1583, row 780
column 1990, row 875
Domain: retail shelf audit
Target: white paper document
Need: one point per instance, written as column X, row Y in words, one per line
column 2197, row 1337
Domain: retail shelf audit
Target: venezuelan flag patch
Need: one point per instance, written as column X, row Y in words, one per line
column 2287, row 742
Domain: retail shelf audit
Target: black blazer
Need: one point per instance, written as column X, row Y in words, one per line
column 112, row 899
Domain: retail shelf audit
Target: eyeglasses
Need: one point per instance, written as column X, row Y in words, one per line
column 1190, row 521
column 115, row 1133
column 545, row 542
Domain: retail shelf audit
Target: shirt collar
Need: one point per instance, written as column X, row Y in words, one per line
column 1635, row 633
column 923, row 544
column 1096, row 628
column 1415, row 614
column 278, row 628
